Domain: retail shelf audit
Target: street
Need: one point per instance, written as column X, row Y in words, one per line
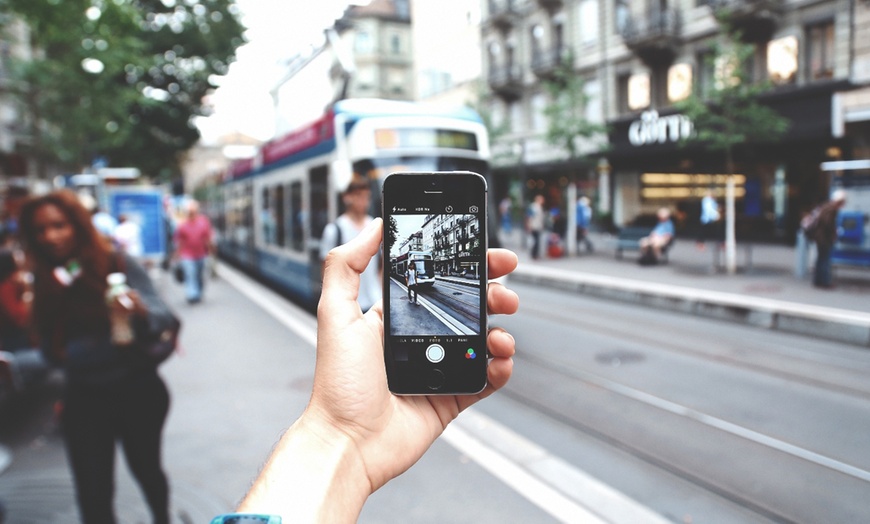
column 696, row 420
column 446, row 308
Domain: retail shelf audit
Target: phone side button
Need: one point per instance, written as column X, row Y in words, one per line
column 435, row 379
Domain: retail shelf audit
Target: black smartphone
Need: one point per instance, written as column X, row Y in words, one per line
column 435, row 279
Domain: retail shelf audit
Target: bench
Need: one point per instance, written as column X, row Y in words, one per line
column 629, row 237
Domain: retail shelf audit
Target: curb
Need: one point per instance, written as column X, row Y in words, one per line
column 841, row 325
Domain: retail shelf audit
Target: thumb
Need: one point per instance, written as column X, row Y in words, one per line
column 341, row 272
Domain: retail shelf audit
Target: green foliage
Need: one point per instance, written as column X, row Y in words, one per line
column 566, row 110
column 731, row 113
column 121, row 79
column 392, row 233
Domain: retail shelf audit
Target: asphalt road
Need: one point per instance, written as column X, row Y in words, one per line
column 694, row 419
column 700, row 420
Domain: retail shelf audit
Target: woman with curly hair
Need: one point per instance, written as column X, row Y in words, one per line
column 112, row 392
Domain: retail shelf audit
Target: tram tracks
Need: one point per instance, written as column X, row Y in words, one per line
column 630, row 418
column 800, row 368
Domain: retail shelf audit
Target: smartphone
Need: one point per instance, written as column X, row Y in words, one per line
column 435, row 279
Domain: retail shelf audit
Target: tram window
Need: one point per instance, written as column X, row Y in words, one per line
column 267, row 217
column 279, row 215
column 296, row 217
column 319, row 212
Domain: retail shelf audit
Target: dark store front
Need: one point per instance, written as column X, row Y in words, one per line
column 776, row 183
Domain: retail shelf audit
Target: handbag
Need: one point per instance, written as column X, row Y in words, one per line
column 162, row 344
column 155, row 346
column 178, row 273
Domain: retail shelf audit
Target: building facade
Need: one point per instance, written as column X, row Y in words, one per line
column 638, row 58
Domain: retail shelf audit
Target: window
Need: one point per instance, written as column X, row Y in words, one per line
column 679, row 82
column 317, row 185
column 363, row 42
column 622, row 93
column 594, row 111
column 539, row 120
column 296, row 217
column 278, row 213
column 622, row 15
column 782, row 60
column 820, row 51
column 588, row 13
column 537, row 42
column 706, row 68
column 396, row 44
column 638, row 91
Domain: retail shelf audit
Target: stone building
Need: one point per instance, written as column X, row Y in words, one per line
column 637, row 59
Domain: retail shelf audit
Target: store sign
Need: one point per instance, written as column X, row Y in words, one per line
column 653, row 129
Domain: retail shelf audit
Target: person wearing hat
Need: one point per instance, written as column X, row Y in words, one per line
column 825, row 235
column 357, row 201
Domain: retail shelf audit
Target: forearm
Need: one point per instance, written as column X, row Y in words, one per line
column 312, row 476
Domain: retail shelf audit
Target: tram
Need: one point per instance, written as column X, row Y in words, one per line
column 422, row 261
column 269, row 211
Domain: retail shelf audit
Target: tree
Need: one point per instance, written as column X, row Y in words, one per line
column 567, row 122
column 120, row 79
column 392, row 234
column 731, row 115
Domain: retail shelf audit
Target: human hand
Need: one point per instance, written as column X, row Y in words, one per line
column 354, row 436
column 350, row 395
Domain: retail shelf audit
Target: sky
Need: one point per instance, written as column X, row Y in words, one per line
column 277, row 30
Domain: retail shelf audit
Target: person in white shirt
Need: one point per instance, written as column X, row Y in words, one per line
column 357, row 200
column 128, row 236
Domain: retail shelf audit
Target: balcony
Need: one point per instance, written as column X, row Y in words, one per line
column 502, row 14
column 755, row 19
column 506, row 82
column 551, row 5
column 546, row 62
column 654, row 36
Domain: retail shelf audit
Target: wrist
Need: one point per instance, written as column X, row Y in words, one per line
column 314, row 474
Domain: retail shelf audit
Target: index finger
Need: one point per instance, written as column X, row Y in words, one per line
column 501, row 262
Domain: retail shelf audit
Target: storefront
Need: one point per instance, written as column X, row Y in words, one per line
column 652, row 166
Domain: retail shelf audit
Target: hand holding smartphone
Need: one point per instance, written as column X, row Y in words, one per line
column 435, row 279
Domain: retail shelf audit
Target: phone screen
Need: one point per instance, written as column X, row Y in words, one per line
column 435, row 280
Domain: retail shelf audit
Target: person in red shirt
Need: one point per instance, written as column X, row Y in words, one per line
column 193, row 244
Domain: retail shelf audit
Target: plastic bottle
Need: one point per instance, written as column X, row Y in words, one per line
column 121, row 327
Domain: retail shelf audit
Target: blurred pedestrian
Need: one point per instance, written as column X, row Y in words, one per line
column 112, row 392
column 709, row 220
column 584, row 220
column 19, row 356
column 193, row 245
column 411, row 281
column 823, row 231
column 128, row 236
column 357, row 199
column 535, row 222
column 504, row 213
column 652, row 245
column 103, row 221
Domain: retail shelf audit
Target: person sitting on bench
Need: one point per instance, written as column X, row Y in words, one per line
column 660, row 237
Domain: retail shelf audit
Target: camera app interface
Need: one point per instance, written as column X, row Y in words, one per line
column 435, row 282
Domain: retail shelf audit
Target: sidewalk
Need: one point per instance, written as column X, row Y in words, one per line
column 763, row 292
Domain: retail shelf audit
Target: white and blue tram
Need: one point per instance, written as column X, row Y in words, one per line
column 270, row 210
column 422, row 261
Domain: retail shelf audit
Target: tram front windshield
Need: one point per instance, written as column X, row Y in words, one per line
column 378, row 168
column 425, row 268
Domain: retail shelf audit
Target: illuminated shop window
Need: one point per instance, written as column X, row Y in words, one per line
column 782, row 60
column 682, row 186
